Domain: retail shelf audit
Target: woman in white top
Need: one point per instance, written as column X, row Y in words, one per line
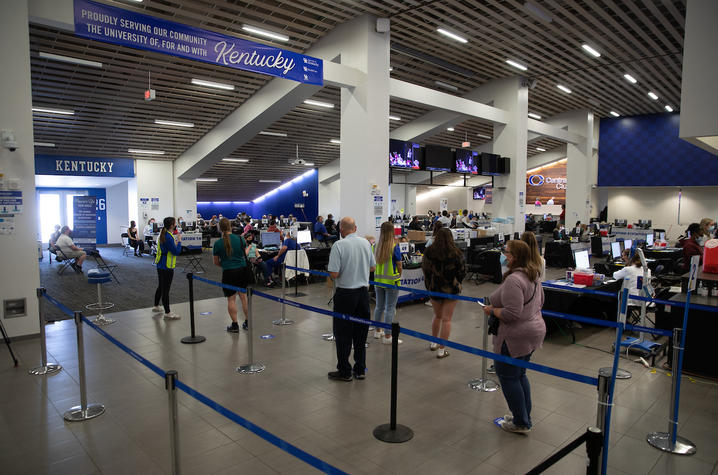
column 530, row 238
column 630, row 275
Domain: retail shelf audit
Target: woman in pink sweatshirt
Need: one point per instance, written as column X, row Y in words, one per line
column 517, row 304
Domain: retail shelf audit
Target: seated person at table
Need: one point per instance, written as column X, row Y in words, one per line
column 273, row 228
column 149, row 229
column 330, row 224
column 630, row 275
column 466, row 221
column 289, row 244
column 415, row 224
column 626, row 256
column 67, row 246
column 247, row 226
column 690, row 245
column 135, row 240
column 256, row 259
column 320, row 231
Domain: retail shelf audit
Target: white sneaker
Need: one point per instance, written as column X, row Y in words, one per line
column 157, row 309
column 387, row 341
column 434, row 346
column 378, row 334
column 442, row 353
column 171, row 316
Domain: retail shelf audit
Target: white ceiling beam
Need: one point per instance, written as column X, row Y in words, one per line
column 58, row 14
column 545, row 129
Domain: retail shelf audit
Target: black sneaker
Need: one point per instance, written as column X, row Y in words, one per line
column 336, row 375
column 244, row 325
column 233, row 328
column 359, row 375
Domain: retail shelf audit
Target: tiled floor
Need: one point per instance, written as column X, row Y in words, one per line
column 294, row 399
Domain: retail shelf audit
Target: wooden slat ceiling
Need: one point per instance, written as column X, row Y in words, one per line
column 643, row 38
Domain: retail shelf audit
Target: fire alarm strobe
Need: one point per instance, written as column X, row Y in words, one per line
column 150, row 94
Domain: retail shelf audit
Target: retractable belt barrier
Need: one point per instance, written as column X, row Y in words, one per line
column 220, row 284
column 58, row 304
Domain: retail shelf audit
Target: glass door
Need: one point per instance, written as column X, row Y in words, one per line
column 50, row 214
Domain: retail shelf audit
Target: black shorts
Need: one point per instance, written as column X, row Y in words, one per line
column 235, row 277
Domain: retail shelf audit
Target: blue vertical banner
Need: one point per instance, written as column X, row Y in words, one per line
column 84, row 232
column 135, row 30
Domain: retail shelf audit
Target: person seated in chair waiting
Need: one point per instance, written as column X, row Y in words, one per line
column 67, row 246
column 415, row 224
column 330, row 224
column 273, row 228
column 289, row 244
column 256, row 259
column 137, row 244
column 320, row 231
column 52, row 242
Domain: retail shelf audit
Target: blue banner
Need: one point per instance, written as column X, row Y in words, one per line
column 122, row 27
column 84, row 226
column 84, row 166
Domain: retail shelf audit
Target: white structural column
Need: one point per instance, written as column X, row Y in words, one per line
column 509, row 193
column 18, row 258
column 365, row 126
column 580, row 172
column 185, row 199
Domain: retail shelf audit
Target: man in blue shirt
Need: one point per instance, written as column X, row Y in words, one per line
column 350, row 262
column 320, row 231
column 289, row 244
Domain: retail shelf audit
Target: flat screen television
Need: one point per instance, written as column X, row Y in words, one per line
column 504, row 165
column 404, row 154
column 490, row 164
column 438, row 158
column 479, row 193
column 467, row 161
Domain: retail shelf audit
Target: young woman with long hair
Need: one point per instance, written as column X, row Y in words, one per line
column 530, row 238
column 444, row 270
column 388, row 271
column 517, row 304
column 167, row 251
column 229, row 254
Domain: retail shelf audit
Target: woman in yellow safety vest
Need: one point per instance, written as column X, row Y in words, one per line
column 388, row 271
column 167, row 251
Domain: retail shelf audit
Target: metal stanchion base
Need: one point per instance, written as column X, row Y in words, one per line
column 48, row 369
column 662, row 441
column 281, row 321
column 193, row 339
column 76, row 414
column 328, row 336
column 102, row 321
column 484, row 385
column 251, row 368
column 620, row 373
column 298, row 294
column 401, row 434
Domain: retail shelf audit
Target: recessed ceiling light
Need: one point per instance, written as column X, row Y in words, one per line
column 217, row 85
column 652, row 95
column 269, row 181
column 482, row 136
column 668, row 108
column 390, row 69
column 44, row 144
column 450, row 129
column 630, row 78
column 237, row 160
column 615, row 114
column 146, row 152
column 451, row 35
column 446, row 86
column 394, row 117
column 516, row 65
column 534, row 116
column 68, row 59
column 273, row 134
column 312, row 102
column 46, row 110
column 207, row 180
column 336, row 141
column 592, row 51
column 265, row 33
column 540, row 149
column 173, row 123
column 563, row 88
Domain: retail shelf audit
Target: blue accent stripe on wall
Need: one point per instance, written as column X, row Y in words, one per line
column 646, row 151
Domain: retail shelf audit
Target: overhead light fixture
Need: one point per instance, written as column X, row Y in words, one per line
column 482, row 136
column 47, row 110
column 451, row 35
column 68, row 59
column 652, row 95
column 516, row 65
column 269, row 181
column 390, row 69
column 450, row 129
column 630, row 78
column 236, row 160
column 44, row 144
column 207, row 180
column 668, row 108
column 615, row 114
column 265, row 33
column 216, row 85
column 534, row 116
column 394, row 117
column 537, row 12
column 336, row 141
column 312, row 102
column 563, row 88
column 273, row 134
column 308, row 164
column 539, row 149
column 174, row 123
column 446, row 86
column 590, row 50
column 146, row 152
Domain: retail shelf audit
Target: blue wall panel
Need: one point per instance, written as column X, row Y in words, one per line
column 646, row 151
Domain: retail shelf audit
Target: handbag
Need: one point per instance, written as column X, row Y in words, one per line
column 493, row 325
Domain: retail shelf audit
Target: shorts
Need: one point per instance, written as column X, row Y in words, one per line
column 75, row 254
column 234, row 277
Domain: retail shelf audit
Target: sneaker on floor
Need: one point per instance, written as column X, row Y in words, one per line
column 157, row 309
column 244, row 325
column 337, row 376
column 491, row 369
column 434, row 346
column 171, row 316
column 509, row 426
column 233, row 328
column 387, row 341
column 359, row 375
column 442, row 353
column 378, row 334
column 509, row 418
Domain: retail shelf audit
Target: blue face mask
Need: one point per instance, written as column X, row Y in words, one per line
column 503, row 259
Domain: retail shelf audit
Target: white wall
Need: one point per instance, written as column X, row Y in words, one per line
column 155, row 180
column 328, row 177
column 660, row 205
column 428, row 198
column 118, row 211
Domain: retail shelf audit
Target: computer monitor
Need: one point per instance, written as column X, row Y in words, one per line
column 404, row 247
column 616, row 250
column 270, row 239
column 581, row 258
column 662, row 236
column 155, row 228
column 649, row 239
column 500, row 237
column 304, row 237
column 627, row 243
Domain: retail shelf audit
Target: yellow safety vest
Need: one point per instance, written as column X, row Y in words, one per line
column 171, row 258
column 385, row 273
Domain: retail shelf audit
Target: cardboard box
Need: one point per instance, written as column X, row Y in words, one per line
column 416, row 236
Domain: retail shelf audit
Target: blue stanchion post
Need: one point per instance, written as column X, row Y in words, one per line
column 621, row 322
column 251, row 367
column 170, row 386
column 193, row 338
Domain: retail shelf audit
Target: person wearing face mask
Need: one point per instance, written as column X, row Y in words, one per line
column 690, row 245
column 708, row 228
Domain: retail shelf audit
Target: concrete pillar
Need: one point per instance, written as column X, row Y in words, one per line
column 509, row 193
column 18, row 258
column 185, row 199
column 580, row 170
column 364, row 151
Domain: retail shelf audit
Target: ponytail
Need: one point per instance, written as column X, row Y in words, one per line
column 167, row 223
column 226, row 229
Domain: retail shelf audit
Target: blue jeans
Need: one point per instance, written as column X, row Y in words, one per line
column 516, row 388
column 385, row 304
